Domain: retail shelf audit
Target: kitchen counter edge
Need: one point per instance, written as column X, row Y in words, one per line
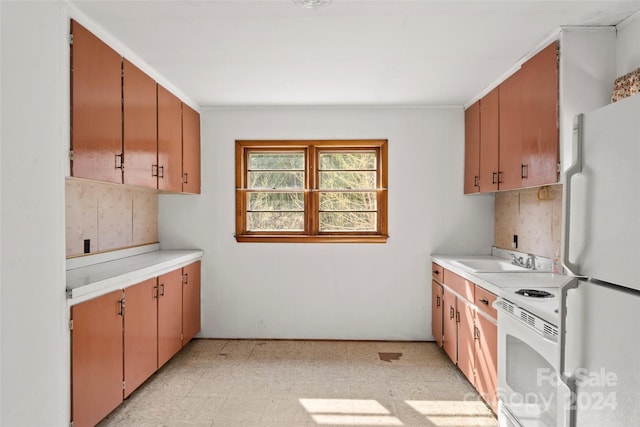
column 91, row 281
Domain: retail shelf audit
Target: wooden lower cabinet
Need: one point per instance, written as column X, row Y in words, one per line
column 120, row 339
column 140, row 334
column 190, row 301
column 436, row 311
column 449, row 326
column 486, row 352
column 96, row 358
column 169, row 315
column 469, row 332
column 466, row 347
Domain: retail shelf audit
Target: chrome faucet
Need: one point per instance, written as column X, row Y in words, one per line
column 531, row 261
column 517, row 260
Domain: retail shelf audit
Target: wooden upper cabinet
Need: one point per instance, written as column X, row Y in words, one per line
column 510, row 158
column 139, row 127
column 540, row 142
column 472, row 149
column 169, row 168
column 96, row 108
column 190, row 150
column 489, row 141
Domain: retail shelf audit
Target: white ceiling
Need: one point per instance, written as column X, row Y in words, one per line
column 353, row 52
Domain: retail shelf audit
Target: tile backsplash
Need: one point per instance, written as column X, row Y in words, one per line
column 110, row 216
column 534, row 215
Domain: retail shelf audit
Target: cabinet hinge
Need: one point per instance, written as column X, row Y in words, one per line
column 71, row 325
column 181, row 337
column 70, row 154
column 71, row 39
column 558, row 167
column 71, row 424
column 123, row 385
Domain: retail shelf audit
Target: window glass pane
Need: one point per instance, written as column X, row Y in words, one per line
column 275, row 180
column 275, row 221
column 275, row 201
column 348, row 180
column 275, row 160
column 348, row 221
column 361, row 201
column 348, row 160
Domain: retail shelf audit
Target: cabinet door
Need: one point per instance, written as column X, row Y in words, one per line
column 96, row 358
column 169, row 315
column 540, row 124
column 139, row 127
column 169, row 141
column 436, row 311
column 466, row 346
column 487, row 360
column 96, row 108
column 140, row 334
column 190, row 301
column 489, row 141
column 472, row 149
column 511, row 132
column 449, row 328
column 190, row 150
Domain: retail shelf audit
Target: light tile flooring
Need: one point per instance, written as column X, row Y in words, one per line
column 253, row 383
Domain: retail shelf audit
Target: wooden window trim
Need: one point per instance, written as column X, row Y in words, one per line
column 311, row 193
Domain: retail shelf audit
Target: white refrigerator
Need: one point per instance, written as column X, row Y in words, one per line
column 600, row 350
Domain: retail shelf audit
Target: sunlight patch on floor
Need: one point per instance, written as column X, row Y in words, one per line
column 445, row 413
column 349, row 411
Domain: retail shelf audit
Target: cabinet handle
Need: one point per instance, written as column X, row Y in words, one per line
column 162, row 289
column 154, row 170
column 475, row 181
column 476, row 333
column 451, row 312
column 161, row 172
column 457, row 317
column 436, row 272
column 120, row 164
column 437, row 301
column 155, row 291
column 121, row 307
column 493, row 179
column 484, row 301
column 185, row 278
column 186, row 178
column 524, row 168
column 499, row 177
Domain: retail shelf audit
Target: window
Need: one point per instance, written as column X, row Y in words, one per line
column 311, row 191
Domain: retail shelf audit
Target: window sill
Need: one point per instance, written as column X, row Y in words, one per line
column 250, row 238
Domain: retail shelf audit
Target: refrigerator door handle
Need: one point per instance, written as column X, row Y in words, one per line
column 574, row 169
column 567, row 379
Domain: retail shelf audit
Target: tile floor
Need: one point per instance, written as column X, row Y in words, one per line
column 253, row 383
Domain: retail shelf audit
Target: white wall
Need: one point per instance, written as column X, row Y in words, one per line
column 35, row 128
column 357, row 291
column 628, row 45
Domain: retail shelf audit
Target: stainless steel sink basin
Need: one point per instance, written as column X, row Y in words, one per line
column 491, row 266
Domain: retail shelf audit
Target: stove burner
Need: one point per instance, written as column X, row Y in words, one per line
column 534, row 293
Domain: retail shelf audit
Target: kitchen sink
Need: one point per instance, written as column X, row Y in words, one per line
column 491, row 266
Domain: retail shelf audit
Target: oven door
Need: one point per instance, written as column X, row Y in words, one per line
column 528, row 383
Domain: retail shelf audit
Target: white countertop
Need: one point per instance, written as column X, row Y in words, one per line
column 90, row 281
column 495, row 282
